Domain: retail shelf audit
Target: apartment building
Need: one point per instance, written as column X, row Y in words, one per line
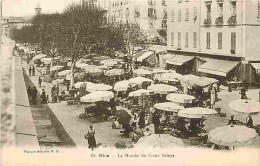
column 151, row 15
column 222, row 37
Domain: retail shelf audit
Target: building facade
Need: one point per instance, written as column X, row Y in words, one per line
column 151, row 15
column 216, row 32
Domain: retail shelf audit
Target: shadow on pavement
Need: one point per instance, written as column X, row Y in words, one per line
column 43, row 113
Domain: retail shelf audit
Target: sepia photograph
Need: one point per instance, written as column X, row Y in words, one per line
column 130, row 82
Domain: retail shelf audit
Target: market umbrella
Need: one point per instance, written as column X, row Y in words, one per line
column 82, row 65
column 232, row 135
column 57, row 81
column 121, row 85
column 139, row 80
column 39, row 56
column 180, row 98
column 168, row 106
column 76, row 75
column 159, row 141
column 97, row 96
column 198, row 81
column 64, row 73
column 160, row 71
column 56, row 68
column 114, row 72
column 46, row 60
column 108, row 62
column 244, row 106
column 123, row 116
column 78, row 84
column 98, row 87
column 142, row 72
column 139, row 92
column 196, row 112
column 162, row 88
column 93, row 69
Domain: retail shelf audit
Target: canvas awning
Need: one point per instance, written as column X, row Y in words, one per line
column 144, row 56
column 218, row 67
column 168, row 56
column 179, row 60
column 256, row 66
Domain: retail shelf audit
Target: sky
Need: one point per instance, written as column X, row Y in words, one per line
column 26, row 7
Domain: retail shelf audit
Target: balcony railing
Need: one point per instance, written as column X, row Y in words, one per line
column 207, row 22
column 219, row 21
column 232, row 21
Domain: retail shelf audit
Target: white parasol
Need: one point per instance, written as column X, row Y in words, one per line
column 232, row 135
column 139, row 92
column 97, row 96
column 196, row 112
column 162, row 88
column 168, row 106
column 180, row 98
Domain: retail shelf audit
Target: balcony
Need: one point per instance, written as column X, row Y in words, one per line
column 150, row 2
column 219, row 21
column 207, row 22
column 232, row 21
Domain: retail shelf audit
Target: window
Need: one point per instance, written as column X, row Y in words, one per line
column 220, row 40
column 186, row 39
column 220, row 9
column 208, row 40
column 195, row 13
column 179, row 39
column 187, row 14
column 163, row 2
column 208, row 6
column 194, row 39
column 137, row 11
column 152, row 13
column 233, row 41
column 172, row 38
column 233, row 8
column 165, row 13
column 179, row 1
column 258, row 8
column 172, row 15
column 179, row 15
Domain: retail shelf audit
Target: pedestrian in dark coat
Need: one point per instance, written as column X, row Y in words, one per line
column 156, row 121
column 33, row 71
column 39, row 81
column 249, row 122
column 53, row 89
column 141, row 121
column 30, row 70
column 43, row 97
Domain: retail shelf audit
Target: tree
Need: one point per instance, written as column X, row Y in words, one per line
column 81, row 31
column 49, row 32
column 24, row 35
column 133, row 36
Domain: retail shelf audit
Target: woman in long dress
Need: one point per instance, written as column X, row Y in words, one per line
column 91, row 137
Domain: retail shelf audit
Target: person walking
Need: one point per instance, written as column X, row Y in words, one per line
column 232, row 120
column 156, row 121
column 249, row 121
column 34, row 95
column 53, row 89
column 40, row 82
column 57, row 93
column 43, row 97
column 33, row 71
column 91, row 137
column 30, row 71
column 141, row 121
